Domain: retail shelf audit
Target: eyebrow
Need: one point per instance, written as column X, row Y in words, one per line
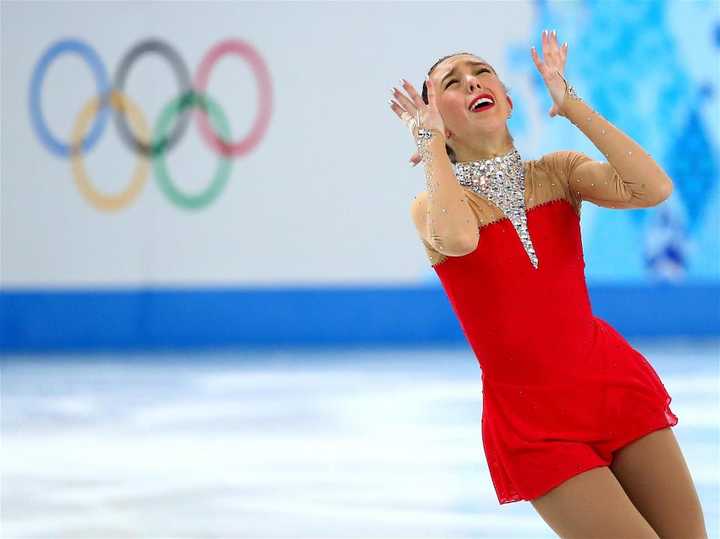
column 469, row 62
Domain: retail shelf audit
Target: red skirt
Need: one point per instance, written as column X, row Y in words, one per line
column 537, row 437
column 562, row 389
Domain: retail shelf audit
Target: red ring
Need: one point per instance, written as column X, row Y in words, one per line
column 262, row 76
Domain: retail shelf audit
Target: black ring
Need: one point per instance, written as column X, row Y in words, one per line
column 183, row 78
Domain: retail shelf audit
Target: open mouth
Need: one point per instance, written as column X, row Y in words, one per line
column 482, row 103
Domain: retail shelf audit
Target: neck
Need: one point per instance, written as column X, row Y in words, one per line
column 487, row 147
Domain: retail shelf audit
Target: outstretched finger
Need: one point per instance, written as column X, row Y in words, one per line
column 413, row 93
column 415, row 159
column 556, row 43
column 404, row 100
column 536, row 59
column 397, row 109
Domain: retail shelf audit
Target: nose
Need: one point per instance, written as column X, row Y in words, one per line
column 473, row 83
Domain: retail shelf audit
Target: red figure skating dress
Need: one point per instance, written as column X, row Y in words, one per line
column 562, row 389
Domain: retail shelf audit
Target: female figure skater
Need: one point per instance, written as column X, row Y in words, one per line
column 575, row 420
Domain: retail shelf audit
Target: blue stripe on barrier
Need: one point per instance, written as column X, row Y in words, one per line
column 142, row 319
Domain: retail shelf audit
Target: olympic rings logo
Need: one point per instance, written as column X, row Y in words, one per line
column 151, row 146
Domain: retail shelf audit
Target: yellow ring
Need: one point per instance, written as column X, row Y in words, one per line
column 101, row 201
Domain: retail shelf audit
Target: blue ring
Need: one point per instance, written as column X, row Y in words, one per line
column 101, row 77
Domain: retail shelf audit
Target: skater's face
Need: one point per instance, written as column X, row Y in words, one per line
column 458, row 80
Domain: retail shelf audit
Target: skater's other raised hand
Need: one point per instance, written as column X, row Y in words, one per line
column 408, row 107
column 551, row 68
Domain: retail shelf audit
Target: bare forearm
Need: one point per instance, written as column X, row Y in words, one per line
column 452, row 226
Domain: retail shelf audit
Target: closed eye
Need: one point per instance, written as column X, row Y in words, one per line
column 478, row 72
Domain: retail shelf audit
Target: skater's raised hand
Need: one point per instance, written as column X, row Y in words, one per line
column 551, row 68
column 406, row 107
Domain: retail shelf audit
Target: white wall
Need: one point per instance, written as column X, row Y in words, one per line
column 324, row 196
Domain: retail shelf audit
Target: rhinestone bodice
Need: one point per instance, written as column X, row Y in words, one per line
column 501, row 180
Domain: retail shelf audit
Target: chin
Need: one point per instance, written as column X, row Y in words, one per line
column 487, row 125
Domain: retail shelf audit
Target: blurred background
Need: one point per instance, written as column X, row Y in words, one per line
column 203, row 338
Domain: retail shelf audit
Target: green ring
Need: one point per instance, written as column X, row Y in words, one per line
column 165, row 121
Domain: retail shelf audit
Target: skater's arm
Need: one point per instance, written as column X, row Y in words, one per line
column 631, row 178
column 441, row 213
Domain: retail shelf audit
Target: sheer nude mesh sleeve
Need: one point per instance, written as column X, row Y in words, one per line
column 630, row 179
column 447, row 223
column 562, row 165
